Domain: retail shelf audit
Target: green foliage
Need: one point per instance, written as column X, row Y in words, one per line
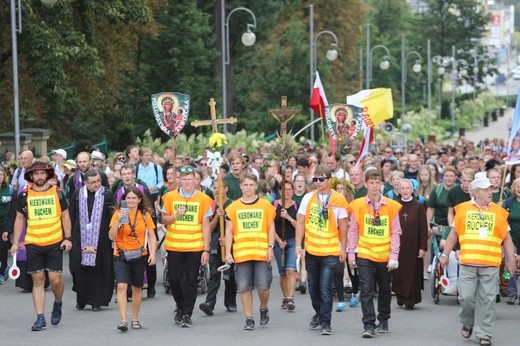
column 194, row 144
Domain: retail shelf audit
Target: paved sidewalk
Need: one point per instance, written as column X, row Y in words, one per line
column 496, row 129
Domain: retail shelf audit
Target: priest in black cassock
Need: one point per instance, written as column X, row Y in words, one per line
column 91, row 262
column 407, row 280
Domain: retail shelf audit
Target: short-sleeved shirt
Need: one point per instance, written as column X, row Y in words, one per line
column 514, row 220
column 125, row 238
column 456, row 195
column 439, row 202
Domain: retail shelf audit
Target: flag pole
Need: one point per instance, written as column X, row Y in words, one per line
column 174, row 158
column 322, row 130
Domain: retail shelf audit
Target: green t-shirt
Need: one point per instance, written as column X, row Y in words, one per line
column 457, row 196
column 514, row 220
column 387, row 187
column 439, row 201
column 495, row 197
column 361, row 192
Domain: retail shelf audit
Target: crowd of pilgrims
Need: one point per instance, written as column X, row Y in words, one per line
column 439, row 175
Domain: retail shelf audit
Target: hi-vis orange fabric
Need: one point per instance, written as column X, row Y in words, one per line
column 251, row 224
column 481, row 233
column 374, row 239
column 43, row 217
column 185, row 234
column 322, row 236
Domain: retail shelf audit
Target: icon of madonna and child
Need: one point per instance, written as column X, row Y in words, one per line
column 171, row 111
column 342, row 121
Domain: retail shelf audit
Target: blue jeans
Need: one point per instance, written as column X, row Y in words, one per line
column 370, row 271
column 320, row 278
column 511, row 285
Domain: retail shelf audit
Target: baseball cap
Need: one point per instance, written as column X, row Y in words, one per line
column 61, row 152
column 97, row 155
column 480, row 183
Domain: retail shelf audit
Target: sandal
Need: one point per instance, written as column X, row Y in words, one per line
column 484, row 342
column 122, row 326
column 466, row 332
column 136, row 324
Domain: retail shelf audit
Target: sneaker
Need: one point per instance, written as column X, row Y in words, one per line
column 382, row 327
column 39, row 324
column 56, row 313
column 315, row 322
column 2, row 279
column 177, row 319
column 354, row 301
column 186, row 321
column 284, row 303
column 325, row 329
column 250, row 324
column 231, row 308
column 511, row 300
column 290, row 304
column 340, row 307
column 430, row 267
column 264, row 316
column 206, row 308
column 368, row 333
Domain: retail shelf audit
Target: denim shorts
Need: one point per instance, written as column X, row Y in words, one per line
column 41, row 258
column 290, row 256
column 253, row 274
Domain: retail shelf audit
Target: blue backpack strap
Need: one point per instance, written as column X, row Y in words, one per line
column 10, row 190
column 509, row 203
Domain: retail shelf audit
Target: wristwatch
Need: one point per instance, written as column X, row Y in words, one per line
column 69, row 238
column 271, row 246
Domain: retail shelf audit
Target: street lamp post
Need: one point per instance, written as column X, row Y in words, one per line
column 332, row 54
column 384, row 64
column 454, row 75
column 248, row 39
column 16, row 27
column 404, row 74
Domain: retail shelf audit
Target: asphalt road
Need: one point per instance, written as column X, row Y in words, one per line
column 428, row 324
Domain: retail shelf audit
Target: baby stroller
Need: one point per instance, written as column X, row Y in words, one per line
column 439, row 281
column 202, row 279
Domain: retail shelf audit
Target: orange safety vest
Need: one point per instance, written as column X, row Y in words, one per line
column 481, row 233
column 251, row 223
column 322, row 236
column 43, row 217
column 185, row 234
column 374, row 240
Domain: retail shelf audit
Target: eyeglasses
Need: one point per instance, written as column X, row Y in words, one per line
column 203, row 164
column 388, row 152
column 352, row 162
column 186, row 170
column 320, row 179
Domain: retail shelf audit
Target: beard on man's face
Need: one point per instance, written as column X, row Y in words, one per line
column 40, row 182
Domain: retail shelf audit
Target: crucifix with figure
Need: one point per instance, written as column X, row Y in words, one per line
column 283, row 116
column 214, row 122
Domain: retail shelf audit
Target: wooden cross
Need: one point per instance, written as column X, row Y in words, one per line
column 214, row 121
column 283, row 115
column 405, row 215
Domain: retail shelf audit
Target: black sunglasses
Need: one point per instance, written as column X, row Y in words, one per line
column 320, row 179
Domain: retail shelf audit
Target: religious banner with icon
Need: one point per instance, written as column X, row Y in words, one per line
column 343, row 124
column 171, row 110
